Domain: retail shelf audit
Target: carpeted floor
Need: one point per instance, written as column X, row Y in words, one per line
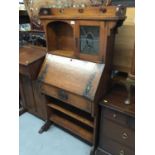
column 53, row 142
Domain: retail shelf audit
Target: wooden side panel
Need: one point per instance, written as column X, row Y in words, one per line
column 124, row 45
column 40, row 101
column 32, row 99
column 27, row 93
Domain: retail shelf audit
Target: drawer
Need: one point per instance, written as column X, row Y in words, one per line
column 117, row 132
column 67, row 97
column 115, row 116
column 115, row 148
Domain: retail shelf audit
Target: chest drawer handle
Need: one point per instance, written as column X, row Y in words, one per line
column 124, row 135
column 121, row 152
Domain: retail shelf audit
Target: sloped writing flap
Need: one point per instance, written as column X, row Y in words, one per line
column 75, row 76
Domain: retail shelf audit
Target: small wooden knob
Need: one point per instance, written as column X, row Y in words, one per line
column 103, row 10
column 81, row 10
column 61, row 10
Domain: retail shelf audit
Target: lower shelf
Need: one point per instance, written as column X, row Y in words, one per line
column 72, row 127
column 82, row 119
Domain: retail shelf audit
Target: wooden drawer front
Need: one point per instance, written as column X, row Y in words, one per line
column 27, row 93
column 118, row 133
column 74, row 100
column 115, row 116
column 115, row 148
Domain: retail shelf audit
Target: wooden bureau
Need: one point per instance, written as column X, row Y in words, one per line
column 76, row 72
column 117, row 124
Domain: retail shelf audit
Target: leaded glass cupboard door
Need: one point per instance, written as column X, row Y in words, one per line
column 89, row 40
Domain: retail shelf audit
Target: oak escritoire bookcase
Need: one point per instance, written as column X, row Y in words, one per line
column 76, row 71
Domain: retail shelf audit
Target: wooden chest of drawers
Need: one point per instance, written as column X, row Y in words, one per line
column 117, row 125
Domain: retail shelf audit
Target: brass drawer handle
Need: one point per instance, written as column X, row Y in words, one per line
column 124, row 135
column 121, row 152
column 63, row 95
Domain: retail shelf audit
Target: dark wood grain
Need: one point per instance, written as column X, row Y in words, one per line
column 117, row 124
column 30, row 54
column 30, row 61
column 115, row 100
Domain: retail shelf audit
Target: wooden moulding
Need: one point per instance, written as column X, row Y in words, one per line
column 100, row 13
column 65, row 53
column 124, row 51
column 72, row 127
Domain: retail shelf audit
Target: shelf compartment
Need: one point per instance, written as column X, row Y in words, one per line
column 64, row 122
column 60, row 36
column 72, row 114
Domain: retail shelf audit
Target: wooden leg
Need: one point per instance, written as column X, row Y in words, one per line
column 22, row 111
column 92, row 152
column 45, row 127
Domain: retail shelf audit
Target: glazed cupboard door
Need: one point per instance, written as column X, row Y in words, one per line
column 88, row 40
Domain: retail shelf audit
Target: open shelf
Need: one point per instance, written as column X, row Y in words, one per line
column 60, row 38
column 71, row 126
column 72, row 114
